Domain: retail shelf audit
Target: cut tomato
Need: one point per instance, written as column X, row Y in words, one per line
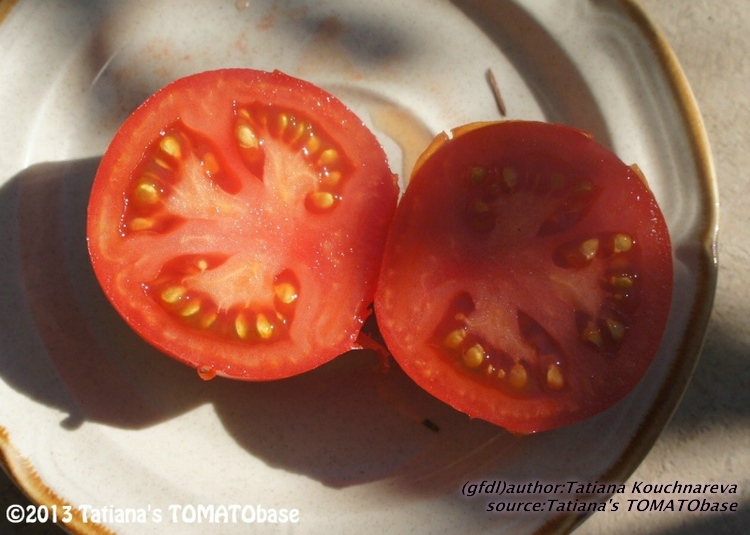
column 237, row 222
column 527, row 275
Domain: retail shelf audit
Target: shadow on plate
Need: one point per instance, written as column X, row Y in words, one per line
column 552, row 77
column 64, row 346
column 346, row 423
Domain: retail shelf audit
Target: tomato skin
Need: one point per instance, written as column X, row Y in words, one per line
column 527, row 275
column 237, row 221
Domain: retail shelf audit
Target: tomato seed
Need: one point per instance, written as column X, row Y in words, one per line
column 330, row 178
column 322, row 200
column 281, row 123
column 246, row 136
column 621, row 281
column 622, row 243
column 285, row 292
column 454, row 338
column 263, row 327
column 589, row 248
column 474, row 356
column 616, row 329
column 146, row 192
column 170, row 146
column 517, row 377
column 328, row 157
column 592, row 333
column 191, row 309
column 207, row 320
column 240, row 326
column 210, row 164
column 477, row 174
column 313, row 145
column 141, row 223
column 554, row 377
column 510, row 177
column 172, row 294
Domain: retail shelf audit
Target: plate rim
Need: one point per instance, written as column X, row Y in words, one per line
column 22, row 473
column 691, row 344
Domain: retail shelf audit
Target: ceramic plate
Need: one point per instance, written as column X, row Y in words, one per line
column 93, row 418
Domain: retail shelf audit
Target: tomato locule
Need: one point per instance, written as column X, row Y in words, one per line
column 237, row 222
column 527, row 275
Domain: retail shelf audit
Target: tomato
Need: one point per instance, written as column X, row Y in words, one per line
column 527, row 275
column 237, row 222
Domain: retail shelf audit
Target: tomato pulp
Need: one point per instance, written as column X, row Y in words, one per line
column 237, row 221
column 527, row 275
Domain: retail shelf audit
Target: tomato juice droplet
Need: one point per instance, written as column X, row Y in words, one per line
column 206, row 372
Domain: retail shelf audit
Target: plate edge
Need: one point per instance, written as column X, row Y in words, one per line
column 691, row 345
column 22, row 473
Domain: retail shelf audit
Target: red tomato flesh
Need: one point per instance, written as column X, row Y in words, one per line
column 527, row 275
column 237, row 222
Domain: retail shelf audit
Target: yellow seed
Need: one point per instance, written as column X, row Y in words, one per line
column 616, row 329
column 191, row 309
column 202, row 264
column 263, row 327
column 172, row 294
column 622, row 243
column 591, row 333
column 285, row 292
column 240, row 325
column 313, row 145
column 141, row 223
column 621, row 281
column 510, row 177
column 210, row 164
column 331, row 178
column 162, row 163
column 474, row 356
column 584, row 187
column 589, row 248
column 298, row 130
column 454, row 338
column 246, row 137
column 170, row 146
column 501, row 373
column 146, row 192
column 557, row 181
column 517, row 376
column 478, row 174
column 489, row 370
column 481, row 207
column 322, row 199
column 554, row 377
column 207, row 320
column 328, row 157
column 282, row 122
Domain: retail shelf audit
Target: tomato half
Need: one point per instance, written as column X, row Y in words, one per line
column 237, row 222
column 527, row 275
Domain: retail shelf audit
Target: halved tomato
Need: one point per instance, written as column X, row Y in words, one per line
column 527, row 275
column 237, row 221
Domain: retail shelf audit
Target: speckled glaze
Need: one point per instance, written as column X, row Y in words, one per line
column 91, row 417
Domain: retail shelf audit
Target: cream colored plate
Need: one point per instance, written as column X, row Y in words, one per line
column 93, row 418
